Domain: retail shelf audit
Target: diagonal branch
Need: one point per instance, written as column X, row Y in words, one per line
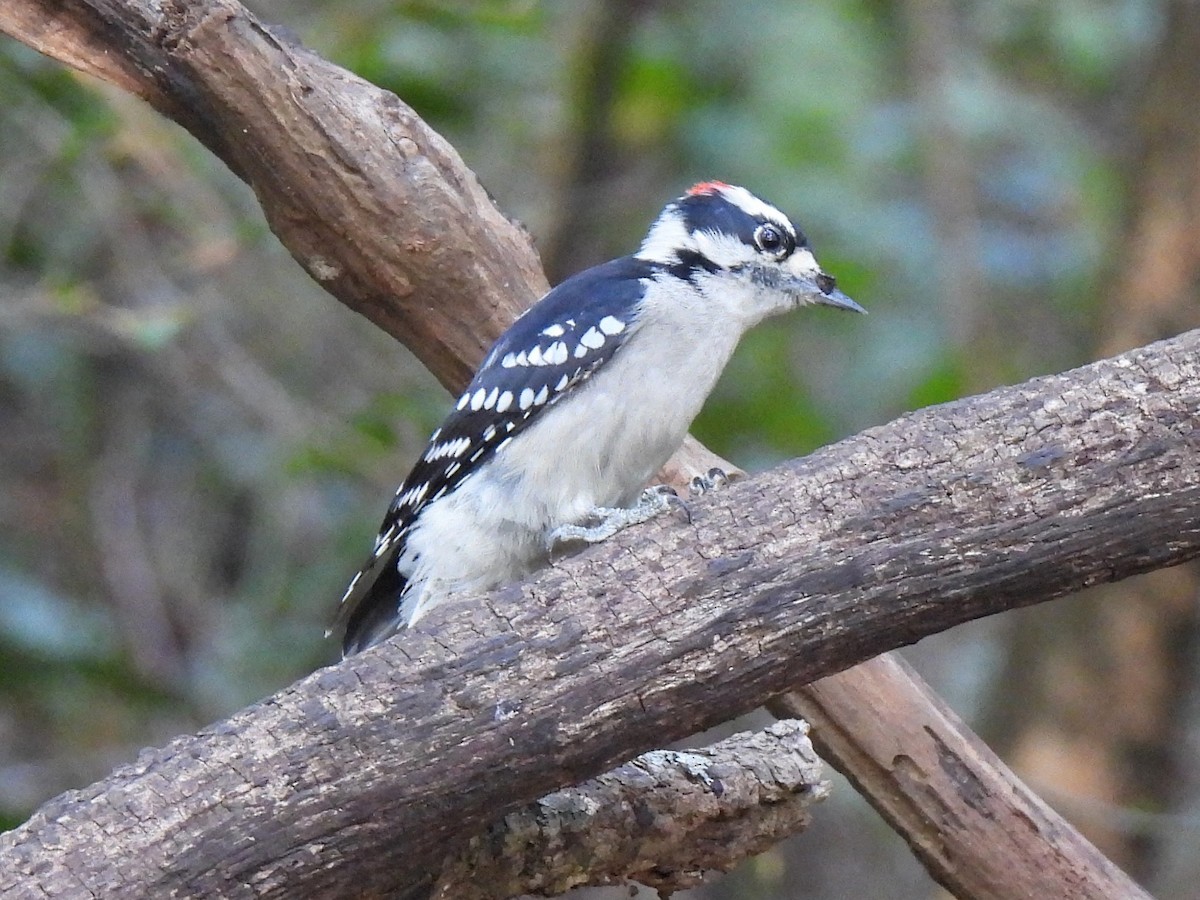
column 1022, row 847
column 372, row 770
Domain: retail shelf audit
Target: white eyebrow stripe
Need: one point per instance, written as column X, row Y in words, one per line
column 756, row 207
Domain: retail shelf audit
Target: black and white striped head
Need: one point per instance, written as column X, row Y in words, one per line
column 722, row 231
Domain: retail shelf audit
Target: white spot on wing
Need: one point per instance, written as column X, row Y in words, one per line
column 592, row 339
column 557, row 353
column 381, row 544
column 455, row 447
column 555, row 330
column 535, row 357
column 562, row 383
column 350, row 589
column 510, row 360
column 542, row 396
column 526, row 398
column 412, row 497
column 611, row 325
column 504, row 402
column 463, row 401
column 478, row 398
column 491, row 398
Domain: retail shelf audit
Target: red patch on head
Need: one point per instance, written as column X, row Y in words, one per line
column 706, row 188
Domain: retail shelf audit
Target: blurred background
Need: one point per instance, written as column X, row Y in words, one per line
column 197, row 444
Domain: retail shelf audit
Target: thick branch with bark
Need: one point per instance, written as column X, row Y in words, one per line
column 386, row 761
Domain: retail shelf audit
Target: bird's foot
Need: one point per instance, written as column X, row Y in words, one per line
column 608, row 520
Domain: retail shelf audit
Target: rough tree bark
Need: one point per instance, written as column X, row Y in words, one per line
column 320, row 148
column 370, row 771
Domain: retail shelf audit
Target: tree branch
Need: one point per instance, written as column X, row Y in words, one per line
column 907, row 767
column 384, row 762
column 662, row 819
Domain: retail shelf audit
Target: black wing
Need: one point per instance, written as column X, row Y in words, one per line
column 551, row 349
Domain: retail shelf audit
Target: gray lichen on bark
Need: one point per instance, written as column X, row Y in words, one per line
column 663, row 819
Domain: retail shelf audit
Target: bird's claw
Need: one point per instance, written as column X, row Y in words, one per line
column 713, row 480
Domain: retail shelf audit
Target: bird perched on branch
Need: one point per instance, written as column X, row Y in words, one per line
column 579, row 403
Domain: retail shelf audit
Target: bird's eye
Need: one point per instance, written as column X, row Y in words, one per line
column 771, row 239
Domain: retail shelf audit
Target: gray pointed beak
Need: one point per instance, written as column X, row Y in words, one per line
column 822, row 290
column 834, row 297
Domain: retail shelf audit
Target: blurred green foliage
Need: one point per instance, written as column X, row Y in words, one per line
column 197, row 443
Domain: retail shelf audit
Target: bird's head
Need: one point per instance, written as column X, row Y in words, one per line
column 724, row 233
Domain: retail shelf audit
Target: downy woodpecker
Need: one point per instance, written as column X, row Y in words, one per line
column 579, row 403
